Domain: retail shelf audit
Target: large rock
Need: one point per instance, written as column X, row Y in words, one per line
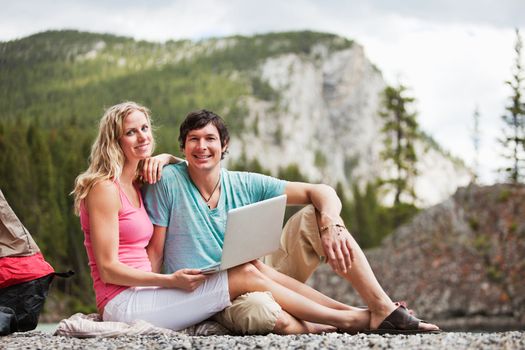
column 462, row 261
column 326, row 120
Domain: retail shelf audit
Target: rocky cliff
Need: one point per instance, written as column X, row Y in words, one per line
column 326, row 121
column 296, row 98
column 460, row 263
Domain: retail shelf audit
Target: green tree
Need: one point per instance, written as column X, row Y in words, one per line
column 513, row 139
column 366, row 216
column 400, row 131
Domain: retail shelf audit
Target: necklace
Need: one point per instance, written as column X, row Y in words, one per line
column 212, row 192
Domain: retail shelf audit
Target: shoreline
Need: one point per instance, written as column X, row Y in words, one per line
column 474, row 324
column 460, row 340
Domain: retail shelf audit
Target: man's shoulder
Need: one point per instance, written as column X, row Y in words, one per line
column 236, row 174
column 171, row 175
column 174, row 170
column 250, row 181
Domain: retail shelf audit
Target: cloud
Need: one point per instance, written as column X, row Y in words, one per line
column 162, row 20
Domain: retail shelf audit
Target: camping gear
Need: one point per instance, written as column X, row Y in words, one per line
column 25, row 276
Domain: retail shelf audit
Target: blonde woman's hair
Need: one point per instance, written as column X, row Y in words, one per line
column 106, row 159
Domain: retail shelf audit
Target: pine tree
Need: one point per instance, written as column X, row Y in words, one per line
column 401, row 132
column 513, row 139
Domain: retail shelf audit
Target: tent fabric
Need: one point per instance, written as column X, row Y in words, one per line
column 24, row 274
column 18, row 269
column 15, row 239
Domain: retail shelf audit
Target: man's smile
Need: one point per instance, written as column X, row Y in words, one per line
column 202, row 156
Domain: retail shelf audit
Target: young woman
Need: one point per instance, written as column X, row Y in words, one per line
column 117, row 232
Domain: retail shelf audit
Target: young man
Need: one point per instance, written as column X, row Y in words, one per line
column 189, row 206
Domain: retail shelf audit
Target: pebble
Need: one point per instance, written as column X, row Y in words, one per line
column 447, row 340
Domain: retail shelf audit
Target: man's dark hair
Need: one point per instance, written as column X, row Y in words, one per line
column 199, row 119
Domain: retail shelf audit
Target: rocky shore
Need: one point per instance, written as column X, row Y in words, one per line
column 459, row 264
column 445, row 340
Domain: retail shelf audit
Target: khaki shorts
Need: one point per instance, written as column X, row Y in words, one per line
column 251, row 313
column 300, row 254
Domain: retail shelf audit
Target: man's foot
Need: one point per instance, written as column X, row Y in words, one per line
column 378, row 315
column 396, row 303
column 357, row 321
column 401, row 321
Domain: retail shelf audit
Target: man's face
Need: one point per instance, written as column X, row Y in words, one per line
column 203, row 149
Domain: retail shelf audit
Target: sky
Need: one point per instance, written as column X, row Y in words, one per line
column 454, row 56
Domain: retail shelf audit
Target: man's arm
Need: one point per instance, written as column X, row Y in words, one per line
column 155, row 248
column 334, row 235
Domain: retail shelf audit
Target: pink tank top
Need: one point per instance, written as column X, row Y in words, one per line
column 135, row 231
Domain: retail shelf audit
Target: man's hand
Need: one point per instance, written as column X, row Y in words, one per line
column 338, row 250
column 187, row 279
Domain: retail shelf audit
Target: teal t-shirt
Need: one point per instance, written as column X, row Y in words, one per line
column 195, row 233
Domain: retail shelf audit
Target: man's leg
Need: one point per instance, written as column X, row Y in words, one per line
column 251, row 313
column 247, row 278
column 301, row 251
column 259, row 313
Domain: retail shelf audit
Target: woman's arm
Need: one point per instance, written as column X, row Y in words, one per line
column 103, row 204
column 152, row 167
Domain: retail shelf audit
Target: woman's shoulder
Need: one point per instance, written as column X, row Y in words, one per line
column 103, row 192
column 104, row 186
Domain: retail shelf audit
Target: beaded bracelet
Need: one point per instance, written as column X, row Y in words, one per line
column 324, row 228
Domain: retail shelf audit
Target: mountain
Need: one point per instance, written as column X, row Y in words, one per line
column 300, row 105
column 301, row 99
column 459, row 263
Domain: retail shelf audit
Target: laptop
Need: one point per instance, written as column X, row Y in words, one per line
column 252, row 231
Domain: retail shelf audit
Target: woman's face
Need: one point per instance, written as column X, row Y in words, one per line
column 136, row 140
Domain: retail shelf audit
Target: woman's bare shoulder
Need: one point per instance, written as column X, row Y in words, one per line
column 104, row 193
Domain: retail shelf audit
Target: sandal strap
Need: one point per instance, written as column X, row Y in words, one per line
column 400, row 319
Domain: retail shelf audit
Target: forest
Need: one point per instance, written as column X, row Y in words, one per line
column 54, row 87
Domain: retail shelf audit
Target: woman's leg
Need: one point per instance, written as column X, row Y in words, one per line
column 300, row 288
column 170, row 308
column 287, row 324
column 247, row 278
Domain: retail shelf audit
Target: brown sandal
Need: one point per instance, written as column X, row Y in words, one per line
column 400, row 322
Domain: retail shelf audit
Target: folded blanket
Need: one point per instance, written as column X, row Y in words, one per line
column 90, row 326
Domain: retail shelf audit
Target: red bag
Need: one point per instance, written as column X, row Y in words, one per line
column 24, row 274
column 18, row 269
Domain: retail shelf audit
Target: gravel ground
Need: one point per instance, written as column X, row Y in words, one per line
column 446, row 340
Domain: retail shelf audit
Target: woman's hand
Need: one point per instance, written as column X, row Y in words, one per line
column 151, row 171
column 187, row 279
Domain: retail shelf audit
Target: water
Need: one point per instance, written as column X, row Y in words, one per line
column 47, row 327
